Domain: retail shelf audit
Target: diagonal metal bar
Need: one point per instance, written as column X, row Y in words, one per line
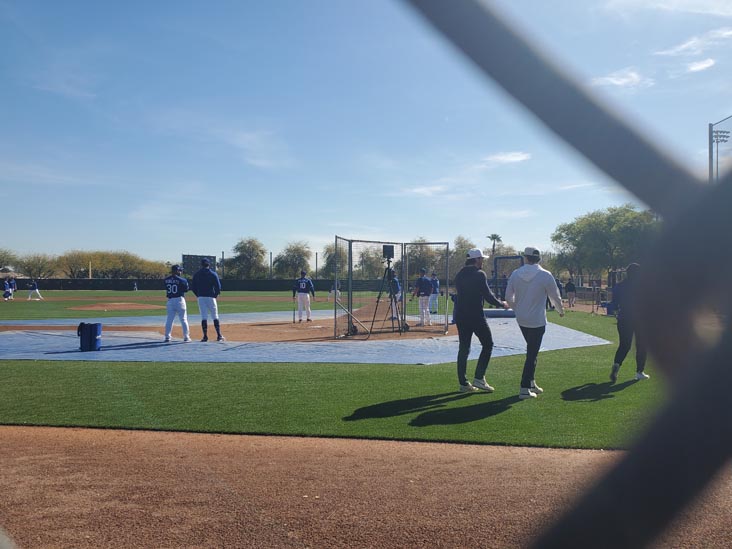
column 562, row 105
column 690, row 439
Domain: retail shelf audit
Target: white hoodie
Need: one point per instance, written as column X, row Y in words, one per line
column 526, row 293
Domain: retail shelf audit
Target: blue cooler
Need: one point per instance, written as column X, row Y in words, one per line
column 91, row 336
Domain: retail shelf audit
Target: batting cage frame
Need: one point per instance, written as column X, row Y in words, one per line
column 376, row 289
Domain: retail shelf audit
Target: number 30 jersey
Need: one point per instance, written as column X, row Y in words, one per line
column 175, row 286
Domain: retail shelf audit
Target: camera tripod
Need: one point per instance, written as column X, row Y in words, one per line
column 394, row 311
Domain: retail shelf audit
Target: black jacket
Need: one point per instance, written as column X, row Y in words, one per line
column 472, row 288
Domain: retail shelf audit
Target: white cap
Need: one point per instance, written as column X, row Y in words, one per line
column 530, row 251
column 475, row 253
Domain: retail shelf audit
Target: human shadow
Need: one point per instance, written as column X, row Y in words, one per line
column 593, row 392
column 404, row 406
column 125, row 346
column 464, row 414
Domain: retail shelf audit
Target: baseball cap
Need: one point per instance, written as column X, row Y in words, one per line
column 423, row 270
column 205, row 262
column 176, row 268
column 434, row 273
column 475, row 253
column 530, row 251
column 303, row 273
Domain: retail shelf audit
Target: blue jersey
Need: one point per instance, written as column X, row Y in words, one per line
column 6, row 285
column 303, row 285
column 206, row 283
column 424, row 286
column 175, row 286
column 34, row 285
column 435, row 285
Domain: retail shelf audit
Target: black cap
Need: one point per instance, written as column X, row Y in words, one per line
column 205, row 262
column 303, row 273
column 176, row 268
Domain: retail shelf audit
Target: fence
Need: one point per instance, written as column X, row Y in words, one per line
column 689, row 440
column 377, row 282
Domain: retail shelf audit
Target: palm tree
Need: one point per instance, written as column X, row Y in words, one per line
column 495, row 238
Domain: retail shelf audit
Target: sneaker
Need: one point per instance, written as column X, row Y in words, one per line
column 300, row 320
column 187, row 340
column 204, row 339
column 419, row 324
column 614, row 372
column 525, row 393
column 468, row 388
column 166, row 340
column 640, row 376
column 220, row 338
column 482, row 384
column 310, row 319
column 535, row 388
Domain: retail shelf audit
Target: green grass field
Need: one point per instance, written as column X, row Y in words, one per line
column 22, row 309
column 579, row 409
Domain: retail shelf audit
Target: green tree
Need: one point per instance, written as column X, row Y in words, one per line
column 369, row 263
column 294, row 258
column 248, row 260
column 7, row 259
column 495, row 239
column 36, row 265
column 332, row 258
column 604, row 239
column 423, row 256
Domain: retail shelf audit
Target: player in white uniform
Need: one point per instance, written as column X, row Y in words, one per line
column 303, row 288
column 175, row 288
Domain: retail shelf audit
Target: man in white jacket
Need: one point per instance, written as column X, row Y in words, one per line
column 526, row 292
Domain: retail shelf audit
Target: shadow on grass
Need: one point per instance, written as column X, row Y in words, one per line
column 404, row 406
column 595, row 391
column 464, row 414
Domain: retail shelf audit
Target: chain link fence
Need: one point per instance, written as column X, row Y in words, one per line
column 689, row 440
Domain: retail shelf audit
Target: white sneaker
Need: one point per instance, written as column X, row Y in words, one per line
column 525, row 393
column 535, row 388
column 468, row 388
column 187, row 340
column 640, row 376
column 482, row 384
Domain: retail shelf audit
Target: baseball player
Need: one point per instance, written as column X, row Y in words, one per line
column 13, row 287
column 175, row 288
column 435, row 293
column 395, row 294
column 7, row 293
column 33, row 287
column 303, row 288
column 423, row 290
column 207, row 287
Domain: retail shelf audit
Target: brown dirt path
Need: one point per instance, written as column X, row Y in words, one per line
column 103, row 488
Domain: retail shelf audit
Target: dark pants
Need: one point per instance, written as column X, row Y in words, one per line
column 626, row 331
column 533, row 337
column 466, row 329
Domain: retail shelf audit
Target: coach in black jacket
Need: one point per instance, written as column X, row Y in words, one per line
column 471, row 284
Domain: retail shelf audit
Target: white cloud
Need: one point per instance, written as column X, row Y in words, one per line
column 425, row 191
column 699, row 66
column 512, row 214
column 506, row 158
column 628, row 78
column 573, row 186
column 262, row 149
column 12, row 173
column 720, row 8
column 699, row 44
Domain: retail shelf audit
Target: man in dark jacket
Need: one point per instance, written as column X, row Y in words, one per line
column 207, row 287
column 471, row 284
column 625, row 305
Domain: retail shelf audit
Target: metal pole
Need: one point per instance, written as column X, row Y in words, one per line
column 270, row 265
column 222, row 264
column 711, row 153
column 316, row 265
column 717, row 161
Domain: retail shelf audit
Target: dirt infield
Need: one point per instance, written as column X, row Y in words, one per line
column 103, row 488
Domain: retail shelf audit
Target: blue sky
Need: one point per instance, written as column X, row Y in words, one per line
column 169, row 127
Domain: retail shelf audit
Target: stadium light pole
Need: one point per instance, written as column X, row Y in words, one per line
column 712, row 133
column 720, row 136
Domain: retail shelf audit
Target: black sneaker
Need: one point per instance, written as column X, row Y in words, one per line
column 220, row 338
column 614, row 372
column 205, row 338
